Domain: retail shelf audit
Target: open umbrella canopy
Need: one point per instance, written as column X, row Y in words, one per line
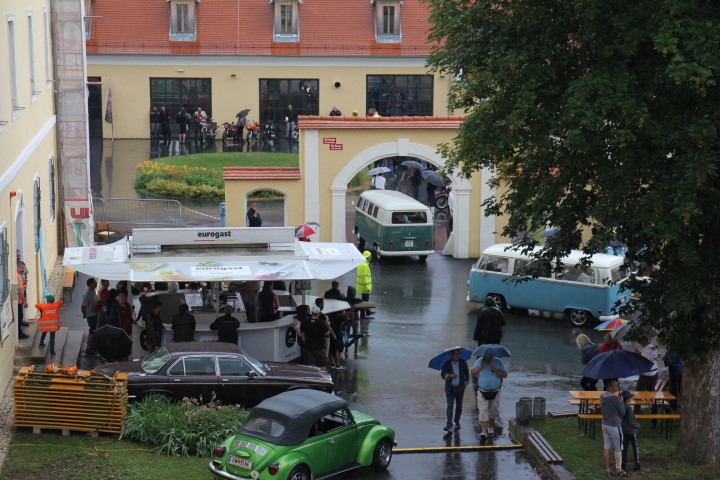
column 378, row 171
column 492, row 350
column 112, row 343
column 616, row 364
column 439, row 360
column 413, row 164
column 433, row 177
column 549, row 232
column 307, row 229
column 611, row 324
column 620, row 331
column 242, row 112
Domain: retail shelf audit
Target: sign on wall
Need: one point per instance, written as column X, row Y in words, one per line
column 6, row 318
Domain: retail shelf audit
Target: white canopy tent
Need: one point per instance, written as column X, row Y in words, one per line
column 211, row 254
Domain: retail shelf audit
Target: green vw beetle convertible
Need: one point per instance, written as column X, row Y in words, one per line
column 301, row 435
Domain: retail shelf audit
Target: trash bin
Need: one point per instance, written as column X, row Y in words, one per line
column 524, row 410
column 538, row 407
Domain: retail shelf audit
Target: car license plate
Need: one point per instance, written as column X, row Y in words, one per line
column 239, row 462
column 409, row 243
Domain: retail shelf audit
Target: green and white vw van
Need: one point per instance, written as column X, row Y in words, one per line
column 392, row 224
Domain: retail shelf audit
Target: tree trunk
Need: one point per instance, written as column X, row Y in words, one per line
column 699, row 439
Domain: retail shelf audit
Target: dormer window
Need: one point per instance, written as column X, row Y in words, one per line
column 285, row 20
column 182, row 20
column 387, row 21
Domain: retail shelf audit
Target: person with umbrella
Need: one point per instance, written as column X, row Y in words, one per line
column 456, row 374
column 588, row 350
column 646, row 380
column 490, row 372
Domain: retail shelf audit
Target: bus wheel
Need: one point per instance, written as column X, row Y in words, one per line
column 423, row 258
column 579, row 318
column 499, row 300
column 360, row 242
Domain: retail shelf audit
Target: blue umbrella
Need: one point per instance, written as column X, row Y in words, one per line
column 439, row 360
column 491, row 349
column 616, row 364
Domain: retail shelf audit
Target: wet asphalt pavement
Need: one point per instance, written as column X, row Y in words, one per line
column 421, row 310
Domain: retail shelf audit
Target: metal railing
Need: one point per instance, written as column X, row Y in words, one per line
column 138, row 211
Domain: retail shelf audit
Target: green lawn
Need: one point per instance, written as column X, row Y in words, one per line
column 583, row 456
column 76, row 457
column 217, row 161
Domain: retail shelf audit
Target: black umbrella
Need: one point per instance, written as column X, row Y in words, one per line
column 112, row 343
column 242, row 113
column 413, row 164
column 433, row 177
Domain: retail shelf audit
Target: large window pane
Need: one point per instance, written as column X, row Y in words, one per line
column 400, row 95
column 176, row 92
column 277, row 94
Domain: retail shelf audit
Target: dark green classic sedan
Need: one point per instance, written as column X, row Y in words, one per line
column 302, row 435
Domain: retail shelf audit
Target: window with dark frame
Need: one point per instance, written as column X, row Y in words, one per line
column 37, row 210
column 276, row 94
column 285, row 21
column 51, row 181
column 400, row 95
column 4, row 256
column 176, row 92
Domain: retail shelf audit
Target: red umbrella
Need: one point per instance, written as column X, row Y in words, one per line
column 307, row 229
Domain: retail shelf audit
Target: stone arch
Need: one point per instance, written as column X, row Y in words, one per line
column 402, row 147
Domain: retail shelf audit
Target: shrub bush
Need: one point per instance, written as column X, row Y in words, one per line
column 179, row 181
column 182, row 428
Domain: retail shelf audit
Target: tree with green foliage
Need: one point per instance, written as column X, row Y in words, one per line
column 602, row 116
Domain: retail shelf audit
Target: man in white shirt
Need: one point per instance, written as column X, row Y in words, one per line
column 378, row 182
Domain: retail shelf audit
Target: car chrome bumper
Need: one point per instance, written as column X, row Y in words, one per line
column 216, row 468
column 404, row 253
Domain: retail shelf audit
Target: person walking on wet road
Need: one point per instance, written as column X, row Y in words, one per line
column 613, row 410
column 490, row 372
column 227, row 326
column 363, row 283
column 456, row 374
column 490, row 321
column 183, row 325
column 587, row 351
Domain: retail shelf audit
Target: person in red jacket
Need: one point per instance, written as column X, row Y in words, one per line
column 49, row 320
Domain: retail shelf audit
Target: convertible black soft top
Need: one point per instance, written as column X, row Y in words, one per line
column 297, row 410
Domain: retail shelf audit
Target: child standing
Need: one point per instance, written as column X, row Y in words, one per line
column 630, row 428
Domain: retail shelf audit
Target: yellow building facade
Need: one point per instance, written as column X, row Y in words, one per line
column 31, row 212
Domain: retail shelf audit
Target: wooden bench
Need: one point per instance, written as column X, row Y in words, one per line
column 666, row 420
column 542, row 447
column 68, row 284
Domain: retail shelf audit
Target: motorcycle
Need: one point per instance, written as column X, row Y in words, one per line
column 253, row 130
column 441, row 198
column 270, row 131
column 295, row 134
column 208, row 130
column 230, row 131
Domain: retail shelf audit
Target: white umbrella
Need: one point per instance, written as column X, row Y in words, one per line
column 378, row 171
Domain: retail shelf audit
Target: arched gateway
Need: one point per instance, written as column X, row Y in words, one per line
column 334, row 149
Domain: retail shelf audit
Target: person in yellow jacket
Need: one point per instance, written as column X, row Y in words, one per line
column 363, row 282
column 49, row 320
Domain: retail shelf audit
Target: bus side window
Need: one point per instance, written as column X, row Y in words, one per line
column 375, row 211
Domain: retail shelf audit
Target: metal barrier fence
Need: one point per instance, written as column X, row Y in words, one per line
column 138, row 211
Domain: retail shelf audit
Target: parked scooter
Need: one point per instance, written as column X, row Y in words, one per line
column 295, row 134
column 441, row 198
column 253, row 130
column 208, row 130
column 229, row 132
column 270, row 132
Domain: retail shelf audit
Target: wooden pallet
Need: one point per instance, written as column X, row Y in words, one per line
column 89, row 402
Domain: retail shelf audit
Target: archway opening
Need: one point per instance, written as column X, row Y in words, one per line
column 270, row 205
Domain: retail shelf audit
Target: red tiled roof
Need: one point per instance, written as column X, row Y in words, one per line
column 244, row 27
column 305, row 122
column 261, row 173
